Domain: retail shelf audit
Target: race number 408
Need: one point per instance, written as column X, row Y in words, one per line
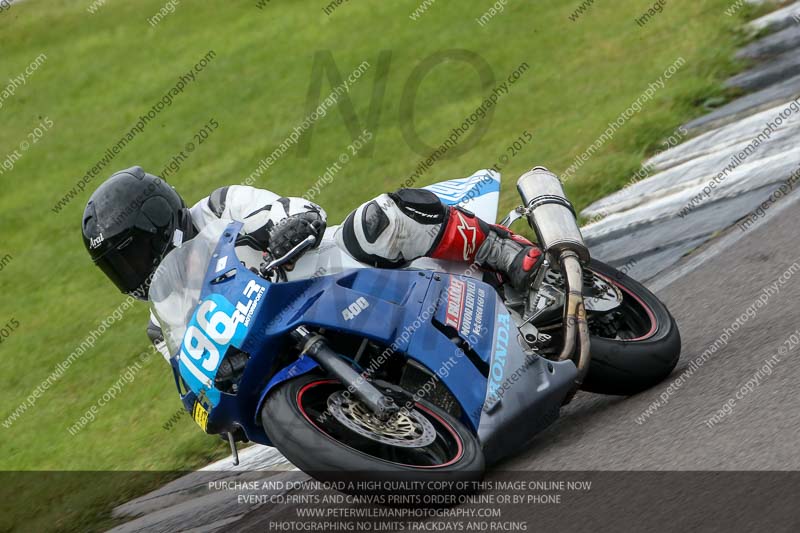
column 355, row 308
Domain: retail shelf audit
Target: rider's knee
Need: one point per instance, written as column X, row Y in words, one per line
column 368, row 232
column 420, row 205
column 394, row 228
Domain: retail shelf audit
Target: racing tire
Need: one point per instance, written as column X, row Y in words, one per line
column 310, row 437
column 628, row 366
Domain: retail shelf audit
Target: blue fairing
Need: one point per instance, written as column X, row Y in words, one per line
column 415, row 313
column 401, row 314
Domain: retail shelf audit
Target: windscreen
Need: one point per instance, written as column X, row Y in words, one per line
column 175, row 290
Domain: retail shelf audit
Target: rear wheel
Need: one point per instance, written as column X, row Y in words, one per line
column 332, row 436
column 636, row 346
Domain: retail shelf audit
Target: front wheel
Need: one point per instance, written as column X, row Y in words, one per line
column 637, row 346
column 331, row 435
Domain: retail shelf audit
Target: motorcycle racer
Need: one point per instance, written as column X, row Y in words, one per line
column 134, row 219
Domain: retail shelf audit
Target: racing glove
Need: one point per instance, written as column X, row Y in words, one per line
column 292, row 230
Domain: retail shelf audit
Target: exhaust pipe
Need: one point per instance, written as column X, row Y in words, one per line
column 576, row 329
column 552, row 217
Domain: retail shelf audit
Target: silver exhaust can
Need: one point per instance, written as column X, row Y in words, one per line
column 551, row 215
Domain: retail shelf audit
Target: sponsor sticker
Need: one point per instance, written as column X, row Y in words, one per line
column 200, row 415
column 466, row 304
column 499, row 355
column 472, row 317
column 455, row 299
column 221, row 263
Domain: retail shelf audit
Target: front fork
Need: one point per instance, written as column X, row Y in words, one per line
column 317, row 348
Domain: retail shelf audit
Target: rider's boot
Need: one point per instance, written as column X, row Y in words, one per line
column 465, row 237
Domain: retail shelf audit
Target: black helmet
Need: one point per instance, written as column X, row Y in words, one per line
column 130, row 224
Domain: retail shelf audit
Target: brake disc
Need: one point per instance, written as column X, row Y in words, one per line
column 604, row 296
column 406, row 429
column 599, row 295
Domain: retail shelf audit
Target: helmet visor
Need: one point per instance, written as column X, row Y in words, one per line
column 130, row 265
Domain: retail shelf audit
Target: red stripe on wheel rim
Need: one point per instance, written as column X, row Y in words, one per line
column 455, row 435
column 650, row 314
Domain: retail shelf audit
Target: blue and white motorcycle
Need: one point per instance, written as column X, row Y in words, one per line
column 432, row 371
